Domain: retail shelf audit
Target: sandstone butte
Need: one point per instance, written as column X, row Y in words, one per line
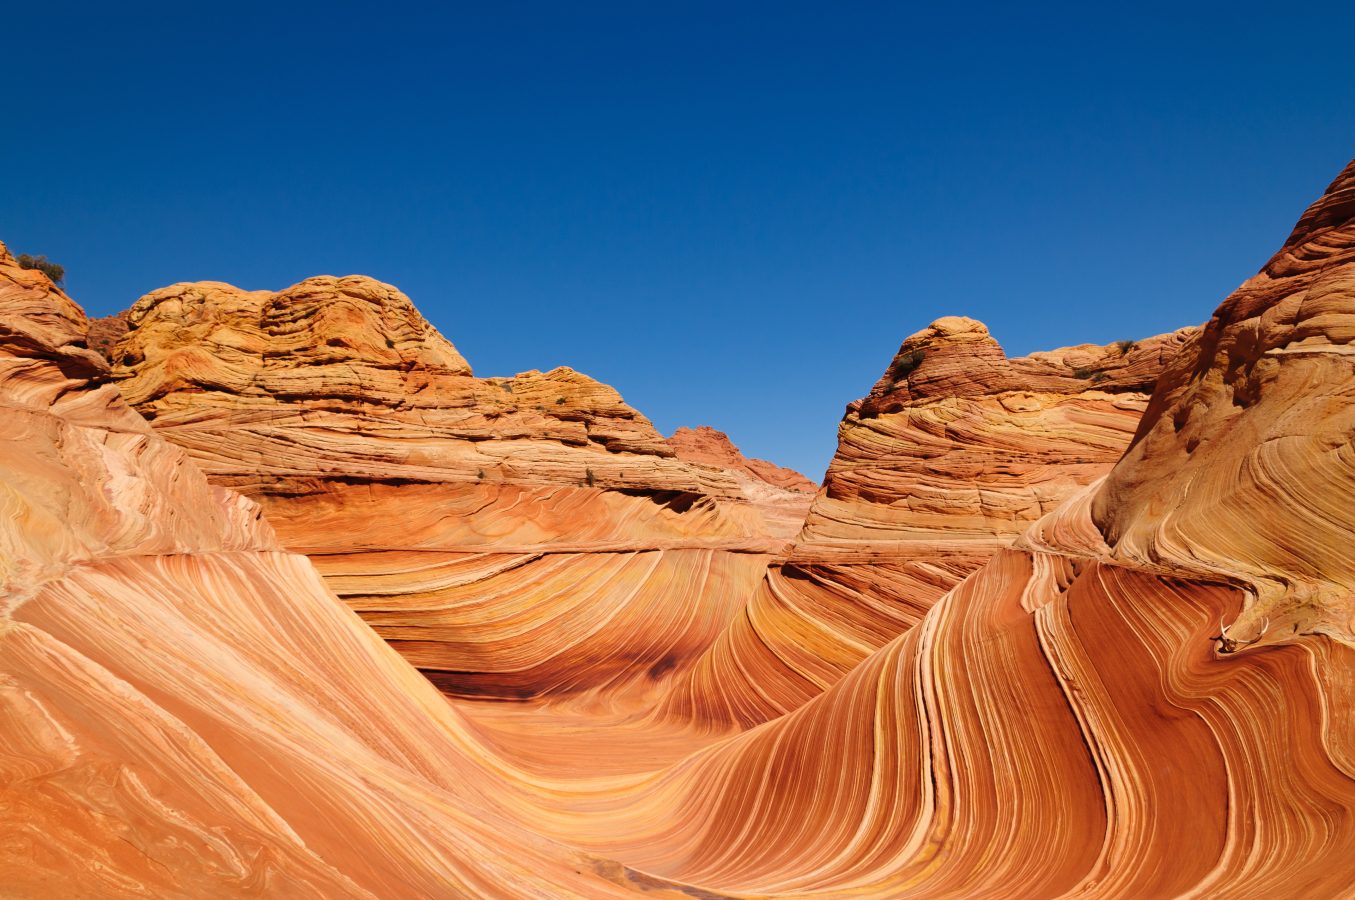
column 706, row 445
column 1074, row 624
column 956, row 450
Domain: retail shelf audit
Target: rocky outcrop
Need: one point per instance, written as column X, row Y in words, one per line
column 453, row 512
column 337, row 381
column 704, row 444
column 185, row 710
column 958, row 448
column 953, row 454
column 103, row 334
column 781, row 495
column 1241, row 467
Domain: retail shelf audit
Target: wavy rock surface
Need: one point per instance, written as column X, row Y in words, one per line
column 956, row 450
column 1077, row 695
column 186, row 711
column 514, row 537
column 1068, row 720
column 1071, row 720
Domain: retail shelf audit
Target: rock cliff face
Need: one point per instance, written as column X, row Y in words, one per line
column 1144, row 689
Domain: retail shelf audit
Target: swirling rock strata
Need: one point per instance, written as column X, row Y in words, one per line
column 1072, row 719
column 508, row 534
column 185, row 710
column 956, row 450
column 1068, row 720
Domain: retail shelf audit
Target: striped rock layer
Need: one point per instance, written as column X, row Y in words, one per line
column 1149, row 694
column 185, row 709
column 1146, row 693
column 513, row 537
column 953, row 454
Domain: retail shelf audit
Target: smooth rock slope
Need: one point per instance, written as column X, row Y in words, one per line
column 186, row 710
column 953, row 454
column 1031, row 661
column 513, row 537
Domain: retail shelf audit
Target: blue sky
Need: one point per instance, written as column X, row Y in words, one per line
column 731, row 212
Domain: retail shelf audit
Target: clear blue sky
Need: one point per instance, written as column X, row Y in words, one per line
column 732, row 212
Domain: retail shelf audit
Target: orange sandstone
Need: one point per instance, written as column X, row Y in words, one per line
column 1031, row 662
column 513, row 537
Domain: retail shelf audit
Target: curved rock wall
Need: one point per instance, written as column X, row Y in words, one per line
column 507, row 534
column 955, row 451
column 187, row 710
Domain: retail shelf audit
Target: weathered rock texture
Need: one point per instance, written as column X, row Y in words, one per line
column 187, row 711
column 515, row 537
column 953, row 454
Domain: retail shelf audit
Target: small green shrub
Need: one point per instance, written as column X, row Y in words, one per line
column 906, row 364
column 1084, row 374
column 1126, row 346
column 559, row 401
column 44, row 265
column 903, row 366
column 588, row 477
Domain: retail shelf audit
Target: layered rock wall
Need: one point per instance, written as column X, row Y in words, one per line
column 506, row 534
column 953, row 454
column 186, row 710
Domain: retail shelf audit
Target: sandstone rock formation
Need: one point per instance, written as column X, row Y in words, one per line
column 953, row 454
column 781, row 495
column 356, row 426
column 513, row 537
column 104, row 334
column 338, row 382
column 1072, row 719
column 1145, row 691
column 185, row 710
column 704, row 444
